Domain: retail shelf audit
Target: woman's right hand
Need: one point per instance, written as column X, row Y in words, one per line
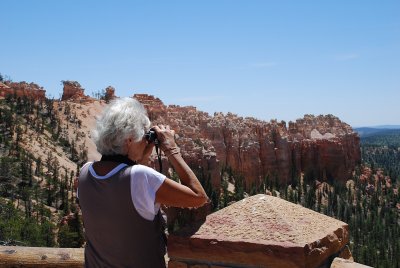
column 166, row 137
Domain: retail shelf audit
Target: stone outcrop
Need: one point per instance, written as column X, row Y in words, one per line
column 73, row 91
column 22, row 89
column 320, row 147
column 260, row 231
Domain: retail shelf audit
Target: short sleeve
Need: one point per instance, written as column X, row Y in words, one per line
column 145, row 182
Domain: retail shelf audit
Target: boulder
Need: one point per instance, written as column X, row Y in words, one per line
column 261, row 231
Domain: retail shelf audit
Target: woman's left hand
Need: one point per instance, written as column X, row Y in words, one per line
column 146, row 154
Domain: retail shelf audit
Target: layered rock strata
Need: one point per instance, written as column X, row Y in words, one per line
column 260, row 231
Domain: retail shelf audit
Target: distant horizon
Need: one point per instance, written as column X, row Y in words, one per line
column 381, row 127
column 261, row 59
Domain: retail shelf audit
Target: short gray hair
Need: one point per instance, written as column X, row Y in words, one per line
column 123, row 118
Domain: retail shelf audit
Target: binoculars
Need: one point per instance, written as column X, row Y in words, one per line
column 151, row 136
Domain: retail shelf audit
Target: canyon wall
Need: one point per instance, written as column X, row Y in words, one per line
column 320, row 147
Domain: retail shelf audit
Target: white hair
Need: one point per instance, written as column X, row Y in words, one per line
column 122, row 119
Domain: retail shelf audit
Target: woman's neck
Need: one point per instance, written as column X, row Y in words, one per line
column 118, row 158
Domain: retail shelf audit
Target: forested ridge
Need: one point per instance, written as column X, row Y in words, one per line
column 37, row 197
column 383, row 150
column 35, row 190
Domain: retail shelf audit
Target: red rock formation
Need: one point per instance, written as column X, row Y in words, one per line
column 320, row 147
column 73, row 91
column 155, row 107
column 21, row 89
column 3, row 86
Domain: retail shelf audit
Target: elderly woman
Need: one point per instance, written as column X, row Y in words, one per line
column 120, row 196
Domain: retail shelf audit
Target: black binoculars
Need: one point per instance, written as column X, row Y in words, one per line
column 151, row 136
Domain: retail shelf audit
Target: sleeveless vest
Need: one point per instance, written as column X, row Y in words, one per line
column 116, row 235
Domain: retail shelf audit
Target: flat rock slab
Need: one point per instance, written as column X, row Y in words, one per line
column 261, row 231
column 342, row 263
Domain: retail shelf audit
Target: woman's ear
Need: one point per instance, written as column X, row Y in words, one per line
column 128, row 142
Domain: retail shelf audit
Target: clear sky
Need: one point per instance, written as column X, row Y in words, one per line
column 266, row 59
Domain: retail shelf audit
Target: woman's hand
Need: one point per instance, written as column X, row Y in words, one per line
column 166, row 137
column 146, row 154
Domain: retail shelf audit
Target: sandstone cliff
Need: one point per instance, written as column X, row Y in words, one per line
column 320, row 147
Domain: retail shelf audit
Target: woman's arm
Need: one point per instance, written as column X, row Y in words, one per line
column 188, row 194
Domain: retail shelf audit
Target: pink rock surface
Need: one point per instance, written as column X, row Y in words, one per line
column 263, row 231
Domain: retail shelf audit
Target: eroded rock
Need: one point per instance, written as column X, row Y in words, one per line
column 22, row 89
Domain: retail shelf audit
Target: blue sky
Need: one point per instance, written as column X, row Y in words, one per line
column 265, row 59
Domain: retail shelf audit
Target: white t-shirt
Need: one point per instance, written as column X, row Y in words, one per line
column 145, row 182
